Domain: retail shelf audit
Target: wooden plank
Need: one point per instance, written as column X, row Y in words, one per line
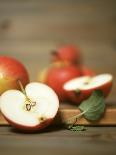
column 108, row 118
column 67, row 111
column 2, row 120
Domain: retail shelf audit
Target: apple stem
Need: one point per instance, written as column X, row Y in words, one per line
column 30, row 103
column 54, row 53
column 22, row 88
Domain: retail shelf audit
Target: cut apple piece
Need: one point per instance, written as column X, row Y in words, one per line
column 80, row 88
column 32, row 111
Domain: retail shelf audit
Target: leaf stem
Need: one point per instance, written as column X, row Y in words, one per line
column 76, row 116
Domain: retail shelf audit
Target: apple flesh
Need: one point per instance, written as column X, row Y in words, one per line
column 56, row 76
column 11, row 70
column 68, row 53
column 79, row 89
column 30, row 112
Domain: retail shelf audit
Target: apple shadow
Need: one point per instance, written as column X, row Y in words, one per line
column 42, row 131
column 48, row 129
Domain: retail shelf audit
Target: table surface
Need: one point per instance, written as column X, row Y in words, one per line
column 29, row 30
column 95, row 140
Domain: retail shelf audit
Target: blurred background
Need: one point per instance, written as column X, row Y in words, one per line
column 31, row 29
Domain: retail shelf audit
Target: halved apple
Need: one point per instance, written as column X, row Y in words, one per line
column 33, row 110
column 79, row 89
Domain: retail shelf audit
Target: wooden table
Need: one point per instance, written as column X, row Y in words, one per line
column 96, row 140
column 29, row 30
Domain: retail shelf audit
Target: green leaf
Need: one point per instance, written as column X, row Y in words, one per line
column 94, row 106
column 77, row 128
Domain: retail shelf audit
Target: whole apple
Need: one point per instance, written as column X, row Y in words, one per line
column 85, row 71
column 57, row 75
column 11, row 70
column 68, row 53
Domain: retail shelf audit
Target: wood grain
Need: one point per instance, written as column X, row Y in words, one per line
column 107, row 119
column 67, row 111
column 52, row 20
column 58, row 20
column 29, row 30
column 95, row 140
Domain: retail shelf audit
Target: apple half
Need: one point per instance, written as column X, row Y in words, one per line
column 33, row 110
column 79, row 89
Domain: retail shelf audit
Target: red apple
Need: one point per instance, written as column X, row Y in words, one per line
column 68, row 53
column 11, row 70
column 32, row 109
column 85, row 71
column 79, row 89
column 56, row 76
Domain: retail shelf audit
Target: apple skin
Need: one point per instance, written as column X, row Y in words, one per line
column 11, row 70
column 32, row 90
column 29, row 129
column 56, row 77
column 85, row 71
column 77, row 98
column 68, row 53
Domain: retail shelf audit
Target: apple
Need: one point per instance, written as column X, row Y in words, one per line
column 32, row 109
column 56, row 76
column 85, row 71
column 68, row 53
column 79, row 89
column 11, row 70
